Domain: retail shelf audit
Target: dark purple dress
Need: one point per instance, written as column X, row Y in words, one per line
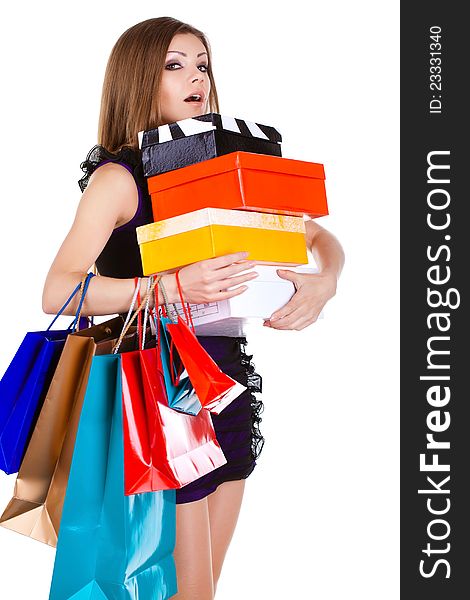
column 237, row 426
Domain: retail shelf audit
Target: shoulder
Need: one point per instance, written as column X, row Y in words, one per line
column 99, row 158
column 111, row 194
column 112, row 181
column 112, row 176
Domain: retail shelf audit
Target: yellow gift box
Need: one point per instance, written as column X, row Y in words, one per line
column 209, row 232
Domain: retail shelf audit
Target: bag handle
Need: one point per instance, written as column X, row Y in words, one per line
column 128, row 317
column 146, row 312
column 139, row 316
column 84, row 288
column 157, row 324
column 173, row 318
column 130, row 320
column 159, row 328
column 82, row 285
column 161, row 332
column 186, row 309
column 175, row 375
column 157, row 316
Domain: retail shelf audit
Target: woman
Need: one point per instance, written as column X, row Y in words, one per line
column 154, row 66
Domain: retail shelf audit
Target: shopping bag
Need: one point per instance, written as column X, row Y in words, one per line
column 36, row 506
column 214, row 389
column 111, row 545
column 163, row 448
column 179, row 390
column 25, row 383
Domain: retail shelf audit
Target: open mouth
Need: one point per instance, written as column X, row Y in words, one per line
column 194, row 99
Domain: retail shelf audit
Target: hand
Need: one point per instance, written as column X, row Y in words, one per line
column 313, row 292
column 207, row 280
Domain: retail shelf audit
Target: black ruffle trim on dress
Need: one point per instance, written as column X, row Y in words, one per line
column 254, row 385
column 98, row 154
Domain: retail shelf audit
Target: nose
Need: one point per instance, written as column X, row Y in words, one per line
column 197, row 75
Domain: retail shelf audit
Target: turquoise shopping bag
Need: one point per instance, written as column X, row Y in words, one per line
column 111, row 546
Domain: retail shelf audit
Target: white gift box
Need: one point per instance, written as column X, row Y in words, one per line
column 265, row 294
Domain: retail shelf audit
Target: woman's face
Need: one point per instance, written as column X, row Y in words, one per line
column 184, row 74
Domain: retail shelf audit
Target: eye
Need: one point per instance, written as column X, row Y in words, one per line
column 169, row 66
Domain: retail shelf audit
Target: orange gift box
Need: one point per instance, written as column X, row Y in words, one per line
column 241, row 180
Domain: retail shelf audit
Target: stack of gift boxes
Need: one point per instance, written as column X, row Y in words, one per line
column 219, row 185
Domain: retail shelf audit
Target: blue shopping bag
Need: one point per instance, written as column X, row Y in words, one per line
column 111, row 546
column 25, row 383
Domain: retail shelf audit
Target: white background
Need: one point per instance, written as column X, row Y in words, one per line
column 320, row 514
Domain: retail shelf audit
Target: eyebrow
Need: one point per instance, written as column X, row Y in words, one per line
column 178, row 52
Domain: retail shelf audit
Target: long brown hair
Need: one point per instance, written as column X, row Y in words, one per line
column 130, row 101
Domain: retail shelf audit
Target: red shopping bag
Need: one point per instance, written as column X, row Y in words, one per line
column 214, row 389
column 163, row 448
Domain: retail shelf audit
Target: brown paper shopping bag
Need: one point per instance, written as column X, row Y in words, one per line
column 36, row 507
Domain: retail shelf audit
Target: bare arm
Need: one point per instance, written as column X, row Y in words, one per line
column 326, row 249
column 110, row 200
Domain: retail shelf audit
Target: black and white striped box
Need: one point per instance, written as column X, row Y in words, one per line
column 201, row 138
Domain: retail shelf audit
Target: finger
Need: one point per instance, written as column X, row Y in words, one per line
column 286, row 321
column 233, row 269
column 296, row 322
column 230, row 294
column 303, row 323
column 223, row 284
column 227, row 259
column 286, row 310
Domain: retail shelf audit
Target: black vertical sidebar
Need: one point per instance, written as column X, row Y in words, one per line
column 435, row 269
